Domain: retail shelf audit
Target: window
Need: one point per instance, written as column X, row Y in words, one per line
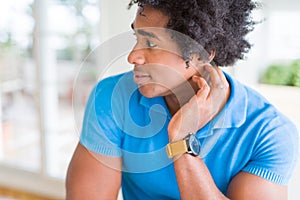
column 41, row 52
column 19, row 143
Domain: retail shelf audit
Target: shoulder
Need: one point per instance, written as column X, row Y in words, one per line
column 246, row 101
column 271, row 136
column 262, row 114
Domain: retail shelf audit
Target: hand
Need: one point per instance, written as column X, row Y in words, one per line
column 203, row 106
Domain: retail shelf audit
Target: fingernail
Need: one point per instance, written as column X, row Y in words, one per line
column 196, row 78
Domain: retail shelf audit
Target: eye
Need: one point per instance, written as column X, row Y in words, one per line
column 150, row 44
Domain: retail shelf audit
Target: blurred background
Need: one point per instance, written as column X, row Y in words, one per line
column 43, row 45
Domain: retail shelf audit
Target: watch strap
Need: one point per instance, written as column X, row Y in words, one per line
column 176, row 148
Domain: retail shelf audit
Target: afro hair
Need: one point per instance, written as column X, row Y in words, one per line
column 217, row 25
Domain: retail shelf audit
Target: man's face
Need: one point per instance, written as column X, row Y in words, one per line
column 158, row 66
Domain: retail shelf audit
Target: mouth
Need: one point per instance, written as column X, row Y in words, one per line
column 141, row 77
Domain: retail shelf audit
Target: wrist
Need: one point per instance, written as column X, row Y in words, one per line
column 190, row 144
column 176, row 135
column 172, row 135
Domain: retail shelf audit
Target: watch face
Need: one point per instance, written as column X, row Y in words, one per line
column 194, row 144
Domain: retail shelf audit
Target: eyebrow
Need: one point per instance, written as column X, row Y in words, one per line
column 145, row 33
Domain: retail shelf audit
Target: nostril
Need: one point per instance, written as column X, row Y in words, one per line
column 136, row 57
column 130, row 57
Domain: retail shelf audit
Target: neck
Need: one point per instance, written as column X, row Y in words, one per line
column 181, row 95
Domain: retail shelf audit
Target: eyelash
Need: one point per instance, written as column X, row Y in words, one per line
column 150, row 44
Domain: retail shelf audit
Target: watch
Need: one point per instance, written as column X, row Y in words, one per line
column 190, row 145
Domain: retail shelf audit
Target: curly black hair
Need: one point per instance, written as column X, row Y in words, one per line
column 217, row 25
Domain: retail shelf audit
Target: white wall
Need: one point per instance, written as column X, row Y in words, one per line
column 115, row 21
column 273, row 40
column 115, row 18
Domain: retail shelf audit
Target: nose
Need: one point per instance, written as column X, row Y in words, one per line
column 136, row 57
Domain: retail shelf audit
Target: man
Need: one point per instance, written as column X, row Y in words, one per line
column 176, row 127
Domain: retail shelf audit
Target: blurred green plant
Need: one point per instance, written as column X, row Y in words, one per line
column 295, row 70
column 283, row 74
column 277, row 75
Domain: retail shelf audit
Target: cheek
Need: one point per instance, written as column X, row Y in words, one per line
column 168, row 69
column 171, row 71
column 169, row 59
column 177, row 65
column 166, row 75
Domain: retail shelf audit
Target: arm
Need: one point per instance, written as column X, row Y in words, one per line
column 248, row 186
column 89, row 178
column 193, row 177
column 195, row 182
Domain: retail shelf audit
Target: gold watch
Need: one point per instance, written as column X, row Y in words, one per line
column 190, row 145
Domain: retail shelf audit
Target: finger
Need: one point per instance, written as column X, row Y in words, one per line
column 217, row 84
column 223, row 78
column 213, row 76
column 197, row 101
column 203, row 87
column 205, row 72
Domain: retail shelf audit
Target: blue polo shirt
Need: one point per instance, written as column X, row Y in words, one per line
column 248, row 135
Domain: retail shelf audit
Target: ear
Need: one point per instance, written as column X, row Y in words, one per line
column 198, row 62
column 211, row 55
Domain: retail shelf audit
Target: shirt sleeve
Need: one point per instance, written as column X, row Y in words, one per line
column 100, row 133
column 276, row 151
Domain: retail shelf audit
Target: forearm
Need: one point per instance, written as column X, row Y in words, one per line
column 194, row 179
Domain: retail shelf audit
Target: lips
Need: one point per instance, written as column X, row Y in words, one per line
column 141, row 77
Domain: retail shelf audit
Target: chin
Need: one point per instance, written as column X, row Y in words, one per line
column 151, row 91
column 147, row 94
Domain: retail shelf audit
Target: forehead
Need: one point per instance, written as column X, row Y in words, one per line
column 147, row 16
